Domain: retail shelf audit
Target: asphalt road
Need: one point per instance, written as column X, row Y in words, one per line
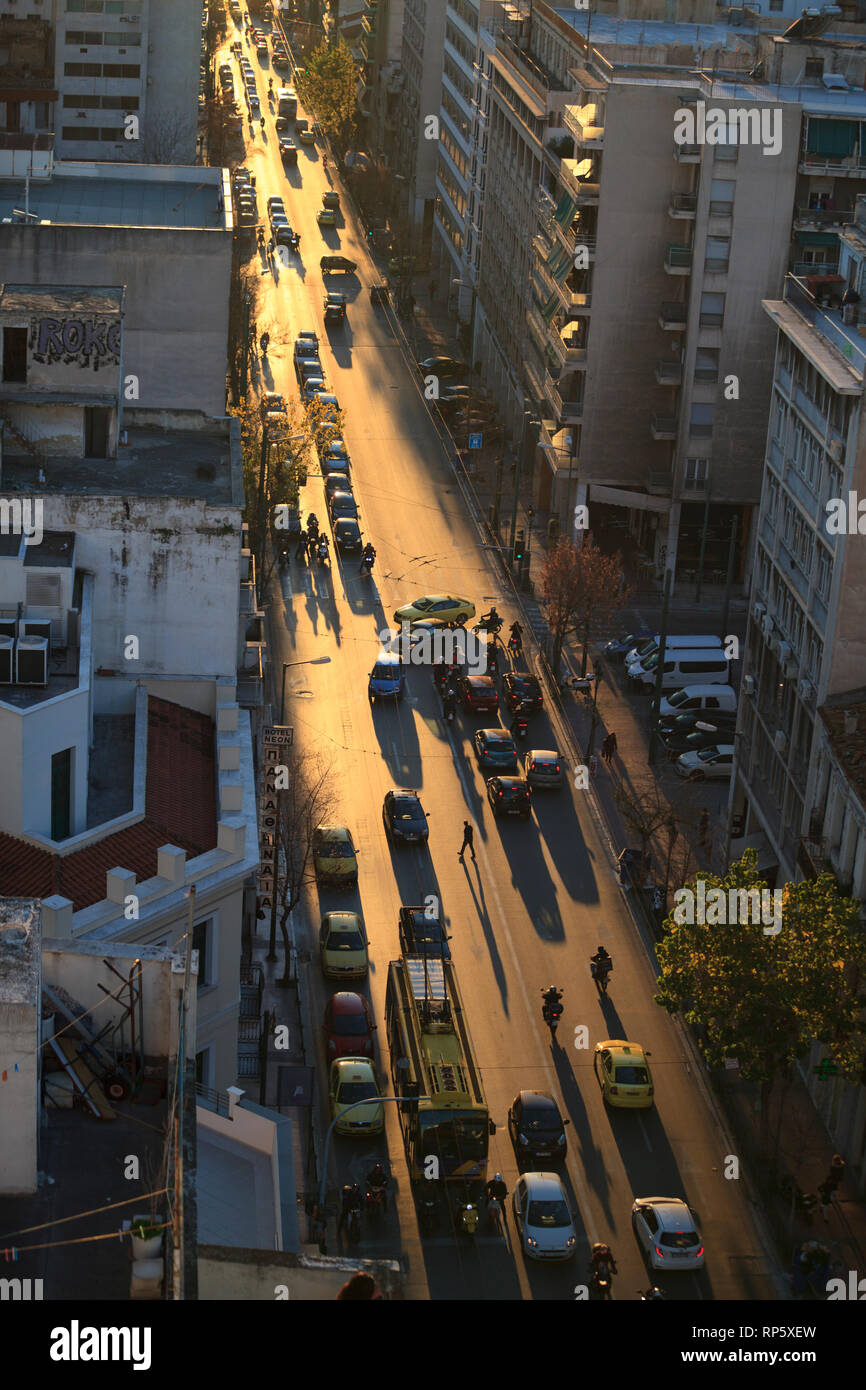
column 542, row 894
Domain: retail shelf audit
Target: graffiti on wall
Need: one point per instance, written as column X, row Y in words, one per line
column 93, row 343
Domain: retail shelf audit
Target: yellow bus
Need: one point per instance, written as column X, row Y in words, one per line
column 431, row 1052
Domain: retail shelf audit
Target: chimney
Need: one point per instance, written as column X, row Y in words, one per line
column 850, row 721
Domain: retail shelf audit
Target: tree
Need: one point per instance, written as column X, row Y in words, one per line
column 580, row 589
column 766, row 998
column 304, row 804
column 272, row 462
column 328, row 87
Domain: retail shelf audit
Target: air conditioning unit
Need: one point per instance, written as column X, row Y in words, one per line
column 781, row 740
column 836, row 450
column 748, row 685
column 759, row 609
column 31, row 661
column 785, row 651
column 767, row 625
column 806, row 691
column 7, row 648
column 37, row 627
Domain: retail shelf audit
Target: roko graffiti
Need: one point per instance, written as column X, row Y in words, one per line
column 89, row 342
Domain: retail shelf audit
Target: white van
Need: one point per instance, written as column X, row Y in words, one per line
column 650, row 646
column 693, row 698
column 699, row 665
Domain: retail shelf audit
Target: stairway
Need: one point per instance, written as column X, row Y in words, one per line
column 20, row 439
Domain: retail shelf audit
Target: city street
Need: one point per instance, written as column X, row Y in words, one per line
column 542, row 894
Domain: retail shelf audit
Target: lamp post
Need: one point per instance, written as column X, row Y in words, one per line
column 272, row 940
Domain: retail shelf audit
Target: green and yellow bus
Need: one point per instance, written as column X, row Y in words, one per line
column 431, row 1055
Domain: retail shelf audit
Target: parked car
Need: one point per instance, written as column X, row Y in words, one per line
column 347, row 535
column 536, row 1127
column 618, row 647
column 348, row 1026
column 509, row 796
column 693, row 740
column 337, row 482
column 715, row 762
column 342, row 504
column 442, row 365
column 334, row 457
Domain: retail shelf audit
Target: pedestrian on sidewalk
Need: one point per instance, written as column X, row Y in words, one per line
column 605, row 748
column 467, row 841
column 703, row 828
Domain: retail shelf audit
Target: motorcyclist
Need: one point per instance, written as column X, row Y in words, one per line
column 496, row 1189
column 449, row 702
column 303, row 545
column 377, row 1181
column 440, row 675
column 552, row 996
column 265, row 340
column 261, row 238
column 519, row 722
column 601, row 1253
column 653, row 1295
column 351, row 1201
column 313, row 524
column 322, row 545
column 491, row 621
column 603, row 962
column 368, row 556
column 516, row 633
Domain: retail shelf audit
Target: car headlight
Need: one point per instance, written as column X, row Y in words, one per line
column 571, row 1241
column 530, row 1241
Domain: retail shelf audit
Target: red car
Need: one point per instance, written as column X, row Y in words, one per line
column 348, row 1026
column 523, row 690
column 477, row 693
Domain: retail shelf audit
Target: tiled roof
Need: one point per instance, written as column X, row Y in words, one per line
column 180, row 810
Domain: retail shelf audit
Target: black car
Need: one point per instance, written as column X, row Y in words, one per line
column 617, row 647
column 336, row 265
column 335, row 307
column 422, row 933
column 404, row 816
column 347, row 535
column 692, row 741
column 342, row 504
column 536, row 1127
column 509, row 796
column 337, row 482
column 686, row 723
column 334, row 457
column 442, row 366
column 522, row 690
column 288, row 151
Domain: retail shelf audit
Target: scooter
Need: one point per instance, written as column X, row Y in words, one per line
column 520, row 723
column 313, row 525
column 375, row 1200
column 427, row 1213
column 551, row 1013
column 367, row 565
column 600, row 973
column 322, row 550
column 515, row 644
column 467, row 1218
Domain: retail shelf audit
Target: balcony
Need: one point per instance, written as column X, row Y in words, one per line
column 660, row 484
column 586, row 124
column 669, row 371
column 573, row 173
column 814, row 219
column 540, row 79
column 678, row 260
column 567, row 412
column 673, row 317
column 683, row 205
column 687, row 154
column 842, row 166
column 813, row 855
column 663, row 427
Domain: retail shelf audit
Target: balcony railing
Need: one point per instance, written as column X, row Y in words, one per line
column 822, row 217
column 566, row 411
column 585, row 124
column 540, row 79
column 673, row 316
column 669, row 371
column 687, row 154
column 682, row 205
column 663, row 426
column 678, row 260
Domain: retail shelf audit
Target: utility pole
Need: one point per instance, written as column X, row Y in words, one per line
column 732, row 549
column 660, row 669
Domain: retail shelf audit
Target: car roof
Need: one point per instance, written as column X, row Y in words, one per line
column 537, row 1100
column 673, row 1213
column 403, row 791
column 342, row 919
column 544, row 1186
column 478, row 680
column 362, row 1065
column 496, row 733
column 333, row 832
column 510, row 781
column 543, row 754
column 621, row 1048
column 347, row 1002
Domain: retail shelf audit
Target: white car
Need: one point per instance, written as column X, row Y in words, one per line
column 543, row 1217
column 667, row 1228
column 715, row 762
column 542, row 767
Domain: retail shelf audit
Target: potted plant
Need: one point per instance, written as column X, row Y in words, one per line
column 147, row 1230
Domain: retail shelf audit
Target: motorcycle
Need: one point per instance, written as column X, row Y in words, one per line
column 367, row 565
column 283, row 553
column 493, row 626
column 515, row 644
column 602, row 1279
column 427, row 1211
column 520, row 723
column 467, row 1218
column 551, row 1013
column 494, row 1214
column 313, row 525
column 652, row 1295
column 322, row 550
column 296, row 241
column 443, row 676
column 265, row 342
column 375, row 1200
column 600, row 971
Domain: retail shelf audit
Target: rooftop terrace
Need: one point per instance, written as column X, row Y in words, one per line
column 112, row 195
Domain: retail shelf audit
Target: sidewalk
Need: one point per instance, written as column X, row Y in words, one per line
column 805, row 1148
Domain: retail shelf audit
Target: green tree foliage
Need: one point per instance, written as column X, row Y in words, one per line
column 765, row 998
column 328, row 87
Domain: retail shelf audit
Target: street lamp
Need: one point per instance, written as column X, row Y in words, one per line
column 272, row 940
column 380, row 1100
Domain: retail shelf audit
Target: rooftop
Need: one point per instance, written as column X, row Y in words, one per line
column 849, row 747
column 154, row 463
column 20, row 945
column 835, row 348
column 114, row 195
column 180, row 809
column 71, row 299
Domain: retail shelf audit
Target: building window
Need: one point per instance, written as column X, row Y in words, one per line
column 718, row 254
column 722, row 197
column 712, row 310
column 203, row 934
column 707, row 364
column 701, row 421
column 204, row 1068
column 15, row 354
column 61, row 795
column 79, row 132
column 697, row 471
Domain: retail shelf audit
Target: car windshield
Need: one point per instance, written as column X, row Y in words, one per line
column 352, row 1091
column 350, row 1025
column 541, row 1122
column 345, row 941
column 679, row 1240
column 336, row 849
column 385, row 673
column 406, row 808
column 631, row 1076
column 647, row 644
column 708, row 755
column 678, row 699
column 454, row 1137
column 548, row 1214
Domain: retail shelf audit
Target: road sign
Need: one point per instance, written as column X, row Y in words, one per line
column 475, row 441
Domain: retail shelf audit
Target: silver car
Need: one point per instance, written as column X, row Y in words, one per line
column 543, row 1217
column 543, row 767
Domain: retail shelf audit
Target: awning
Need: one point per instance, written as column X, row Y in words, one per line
column 818, row 238
column 549, row 308
column 566, row 210
column 562, row 268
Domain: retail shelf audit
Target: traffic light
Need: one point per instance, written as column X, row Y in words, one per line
column 519, row 545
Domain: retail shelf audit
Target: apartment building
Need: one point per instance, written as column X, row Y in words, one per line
column 113, row 79
column 415, row 155
column 379, row 47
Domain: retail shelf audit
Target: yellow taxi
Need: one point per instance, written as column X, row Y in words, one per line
column 623, row 1074
column 353, row 1080
column 445, row 607
column 343, row 946
column 334, row 854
